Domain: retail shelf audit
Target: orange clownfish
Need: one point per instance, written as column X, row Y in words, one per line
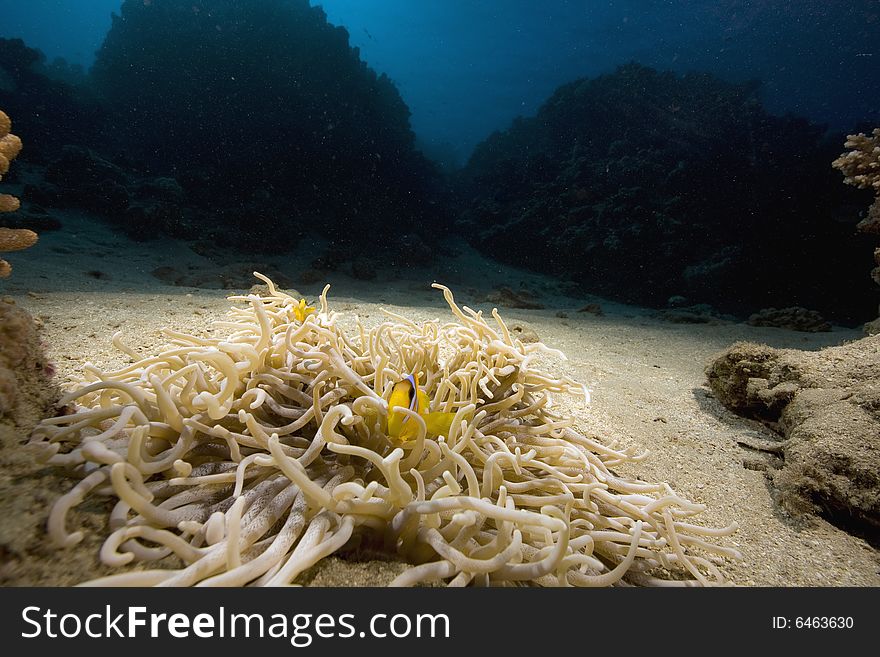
column 407, row 394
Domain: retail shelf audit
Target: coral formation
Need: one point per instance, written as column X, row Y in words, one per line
column 826, row 404
column 794, row 318
column 10, row 147
column 14, row 239
column 253, row 455
column 11, row 239
column 861, row 166
column 614, row 184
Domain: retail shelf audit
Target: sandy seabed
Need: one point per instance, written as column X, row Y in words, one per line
column 649, row 389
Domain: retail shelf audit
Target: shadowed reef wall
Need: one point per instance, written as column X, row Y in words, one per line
column 245, row 100
column 642, row 185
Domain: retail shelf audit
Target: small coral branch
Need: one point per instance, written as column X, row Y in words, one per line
column 861, row 166
column 10, row 239
column 10, row 147
column 14, row 239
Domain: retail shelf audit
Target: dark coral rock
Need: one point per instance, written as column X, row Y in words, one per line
column 794, row 318
column 266, row 226
column 168, row 275
column 871, row 223
column 140, row 223
column 35, row 209
column 76, row 166
column 147, row 220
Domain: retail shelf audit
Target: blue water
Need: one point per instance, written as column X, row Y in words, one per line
column 467, row 67
column 666, row 154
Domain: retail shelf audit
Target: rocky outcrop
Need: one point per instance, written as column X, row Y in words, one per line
column 826, row 406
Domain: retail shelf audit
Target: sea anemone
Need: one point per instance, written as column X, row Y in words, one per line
column 251, row 457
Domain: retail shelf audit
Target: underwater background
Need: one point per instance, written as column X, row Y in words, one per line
column 638, row 183
column 656, row 153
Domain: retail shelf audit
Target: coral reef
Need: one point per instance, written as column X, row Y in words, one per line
column 615, row 184
column 329, row 151
column 332, row 139
column 50, row 112
column 794, row 318
column 248, row 457
column 826, row 405
column 11, row 239
column 861, row 168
